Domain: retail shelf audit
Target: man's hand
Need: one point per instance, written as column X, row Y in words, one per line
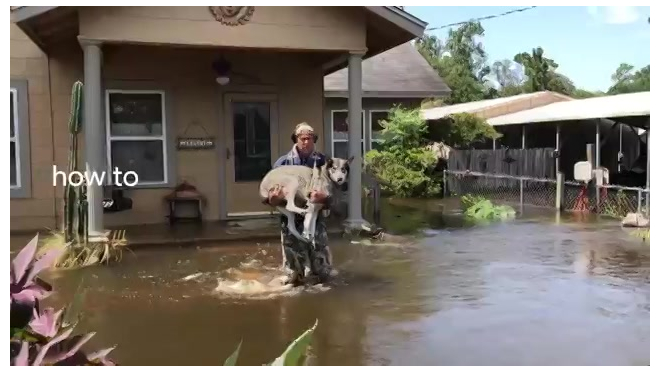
column 318, row 197
column 276, row 195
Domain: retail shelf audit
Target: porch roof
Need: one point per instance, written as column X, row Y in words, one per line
column 387, row 26
column 401, row 72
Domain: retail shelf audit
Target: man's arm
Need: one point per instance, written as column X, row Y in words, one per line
column 280, row 161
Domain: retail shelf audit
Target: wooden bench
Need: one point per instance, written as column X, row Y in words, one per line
column 185, row 194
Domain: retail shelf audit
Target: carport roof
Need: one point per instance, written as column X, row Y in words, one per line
column 633, row 109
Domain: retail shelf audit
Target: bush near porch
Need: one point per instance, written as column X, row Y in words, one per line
column 404, row 165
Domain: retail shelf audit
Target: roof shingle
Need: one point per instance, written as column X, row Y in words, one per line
column 401, row 71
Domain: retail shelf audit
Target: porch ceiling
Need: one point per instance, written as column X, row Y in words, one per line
column 387, row 27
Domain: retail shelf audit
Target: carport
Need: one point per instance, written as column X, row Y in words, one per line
column 632, row 110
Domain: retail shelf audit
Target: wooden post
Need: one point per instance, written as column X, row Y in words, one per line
column 559, row 198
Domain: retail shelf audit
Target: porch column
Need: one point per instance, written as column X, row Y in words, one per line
column 94, row 130
column 355, row 219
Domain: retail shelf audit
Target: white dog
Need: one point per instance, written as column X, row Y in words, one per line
column 298, row 182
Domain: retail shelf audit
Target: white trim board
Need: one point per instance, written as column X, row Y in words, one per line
column 332, row 131
column 16, row 139
column 163, row 137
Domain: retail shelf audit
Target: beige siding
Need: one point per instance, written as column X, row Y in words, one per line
column 196, row 98
column 298, row 28
column 293, row 77
column 28, row 63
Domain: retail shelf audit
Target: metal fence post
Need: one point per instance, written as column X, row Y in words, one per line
column 522, row 197
column 639, row 201
column 559, row 198
column 444, row 183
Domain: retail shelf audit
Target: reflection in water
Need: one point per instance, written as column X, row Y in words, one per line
column 531, row 291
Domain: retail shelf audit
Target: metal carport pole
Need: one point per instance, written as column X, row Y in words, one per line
column 557, row 133
column 597, row 143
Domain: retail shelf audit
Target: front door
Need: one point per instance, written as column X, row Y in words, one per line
column 251, row 127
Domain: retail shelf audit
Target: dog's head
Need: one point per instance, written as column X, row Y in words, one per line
column 338, row 170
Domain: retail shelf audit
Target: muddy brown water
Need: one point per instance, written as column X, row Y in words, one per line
column 535, row 291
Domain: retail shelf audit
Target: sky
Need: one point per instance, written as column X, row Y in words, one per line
column 587, row 42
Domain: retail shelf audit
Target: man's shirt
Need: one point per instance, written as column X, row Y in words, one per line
column 292, row 158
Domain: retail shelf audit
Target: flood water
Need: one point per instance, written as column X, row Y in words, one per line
column 535, row 291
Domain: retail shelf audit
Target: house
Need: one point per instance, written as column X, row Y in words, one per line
column 239, row 78
column 399, row 76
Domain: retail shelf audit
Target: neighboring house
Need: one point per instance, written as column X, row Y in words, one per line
column 244, row 76
column 399, row 76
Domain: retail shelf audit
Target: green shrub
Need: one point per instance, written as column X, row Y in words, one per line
column 483, row 209
column 401, row 163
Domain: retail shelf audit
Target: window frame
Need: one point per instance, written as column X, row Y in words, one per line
column 332, row 131
column 371, row 132
column 15, row 139
column 109, row 138
column 20, row 104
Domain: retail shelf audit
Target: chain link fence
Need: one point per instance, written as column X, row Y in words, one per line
column 611, row 200
column 502, row 188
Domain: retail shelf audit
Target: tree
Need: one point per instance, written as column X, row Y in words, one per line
column 430, row 47
column 582, row 93
column 538, row 69
column 561, row 84
column 509, row 78
column 506, row 74
column 625, row 81
column 460, row 61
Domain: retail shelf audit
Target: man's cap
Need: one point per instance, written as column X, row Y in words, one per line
column 303, row 128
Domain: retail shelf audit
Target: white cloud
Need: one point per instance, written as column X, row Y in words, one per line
column 614, row 14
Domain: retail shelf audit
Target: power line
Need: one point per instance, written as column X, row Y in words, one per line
column 519, row 10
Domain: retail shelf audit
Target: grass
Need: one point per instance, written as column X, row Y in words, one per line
column 643, row 233
column 81, row 254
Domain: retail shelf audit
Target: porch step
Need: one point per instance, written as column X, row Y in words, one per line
column 206, row 235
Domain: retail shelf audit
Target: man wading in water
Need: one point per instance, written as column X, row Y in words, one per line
column 297, row 252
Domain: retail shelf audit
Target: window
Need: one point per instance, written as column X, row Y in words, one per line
column 15, row 170
column 20, row 173
column 136, row 132
column 375, row 117
column 339, row 120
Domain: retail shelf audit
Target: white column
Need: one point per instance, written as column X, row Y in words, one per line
column 355, row 219
column 94, row 130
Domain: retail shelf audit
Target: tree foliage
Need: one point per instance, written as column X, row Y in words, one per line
column 462, row 130
column 462, row 63
column 625, row 81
